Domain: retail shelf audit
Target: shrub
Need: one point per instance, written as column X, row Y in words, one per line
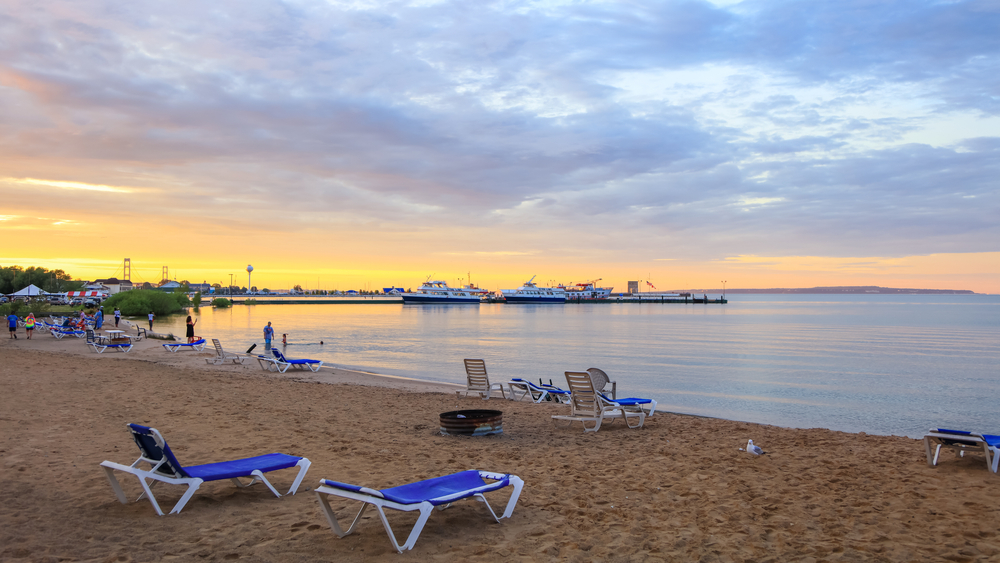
column 196, row 300
column 221, row 302
column 139, row 302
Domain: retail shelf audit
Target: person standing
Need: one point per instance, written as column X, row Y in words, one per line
column 29, row 324
column 118, row 316
column 99, row 318
column 151, row 320
column 190, row 329
column 268, row 335
column 12, row 324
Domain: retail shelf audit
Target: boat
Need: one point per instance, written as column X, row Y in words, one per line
column 439, row 292
column 586, row 290
column 531, row 293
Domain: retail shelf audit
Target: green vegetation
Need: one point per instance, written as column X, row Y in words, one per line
column 140, row 302
column 37, row 306
column 221, row 302
column 16, row 278
column 196, row 300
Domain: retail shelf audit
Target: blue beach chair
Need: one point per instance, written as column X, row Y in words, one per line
column 423, row 496
column 521, row 388
column 283, row 363
column 198, row 345
column 962, row 442
column 165, row 468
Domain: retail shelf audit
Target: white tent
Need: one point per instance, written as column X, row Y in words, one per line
column 29, row 291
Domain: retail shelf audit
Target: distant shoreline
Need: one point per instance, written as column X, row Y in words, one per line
column 841, row 290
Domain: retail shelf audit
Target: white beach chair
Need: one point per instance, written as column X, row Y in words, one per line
column 587, row 405
column 221, row 356
column 962, row 442
column 197, row 345
column 478, row 381
column 166, row 469
column 423, row 496
column 522, row 388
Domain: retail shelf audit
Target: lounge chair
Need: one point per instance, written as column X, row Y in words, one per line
column 962, row 442
column 478, row 381
column 601, row 382
column 165, row 468
column 587, row 405
column 100, row 348
column 421, row 495
column 198, row 345
column 58, row 332
column 221, row 356
column 521, row 388
column 283, row 363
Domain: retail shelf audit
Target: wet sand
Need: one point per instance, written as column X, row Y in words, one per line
column 677, row 490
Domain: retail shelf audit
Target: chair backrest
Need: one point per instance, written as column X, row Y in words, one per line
column 583, row 398
column 218, row 347
column 475, row 372
column 154, row 448
column 90, row 336
column 278, row 355
column 599, row 378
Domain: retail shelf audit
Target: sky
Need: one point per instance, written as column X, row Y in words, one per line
column 363, row 144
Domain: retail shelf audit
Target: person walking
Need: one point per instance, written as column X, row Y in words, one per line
column 151, row 320
column 99, row 318
column 12, row 325
column 268, row 335
column 29, row 324
column 118, row 316
column 190, row 329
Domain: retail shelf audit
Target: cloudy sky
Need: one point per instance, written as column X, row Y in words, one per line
column 345, row 144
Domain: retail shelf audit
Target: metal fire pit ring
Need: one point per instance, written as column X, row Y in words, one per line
column 475, row 422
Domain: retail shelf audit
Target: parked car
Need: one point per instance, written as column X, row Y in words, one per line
column 76, row 301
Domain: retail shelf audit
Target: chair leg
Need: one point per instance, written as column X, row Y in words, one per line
column 425, row 513
column 303, row 466
column 331, row 518
column 192, row 487
column 119, row 492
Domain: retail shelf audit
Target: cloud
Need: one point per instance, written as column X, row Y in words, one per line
column 760, row 127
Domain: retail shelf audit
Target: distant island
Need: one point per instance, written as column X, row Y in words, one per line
column 844, row 290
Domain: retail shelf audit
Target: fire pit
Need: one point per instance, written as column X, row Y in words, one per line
column 472, row 423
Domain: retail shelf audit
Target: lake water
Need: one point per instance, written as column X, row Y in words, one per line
column 880, row 364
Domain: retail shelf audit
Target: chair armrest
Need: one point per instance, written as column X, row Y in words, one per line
column 614, row 389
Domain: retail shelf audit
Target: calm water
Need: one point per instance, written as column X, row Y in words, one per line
column 873, row 363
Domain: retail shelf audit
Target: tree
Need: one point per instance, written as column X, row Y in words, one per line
column 297, row 287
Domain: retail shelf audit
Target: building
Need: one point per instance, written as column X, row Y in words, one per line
column 113, row 285
column 633, row 287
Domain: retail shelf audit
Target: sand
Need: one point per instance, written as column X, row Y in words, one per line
column 678, row 489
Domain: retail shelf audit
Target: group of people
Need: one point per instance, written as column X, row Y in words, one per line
column 79, row 323
column 29, row 324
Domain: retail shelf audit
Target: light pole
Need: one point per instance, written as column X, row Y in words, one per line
column 230, row 288
column 723, row 289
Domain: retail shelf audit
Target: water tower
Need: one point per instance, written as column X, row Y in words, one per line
column 249, row 270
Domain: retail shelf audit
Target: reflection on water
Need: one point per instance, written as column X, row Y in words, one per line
column 879, row 364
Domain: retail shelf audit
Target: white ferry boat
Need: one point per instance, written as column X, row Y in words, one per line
column 439, row 292
column 531, row 293
column 586, row 290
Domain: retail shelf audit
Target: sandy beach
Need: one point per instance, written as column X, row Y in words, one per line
column 678, row 489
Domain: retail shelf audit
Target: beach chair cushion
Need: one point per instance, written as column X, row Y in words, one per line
column 422, row 496
column 166, row 468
